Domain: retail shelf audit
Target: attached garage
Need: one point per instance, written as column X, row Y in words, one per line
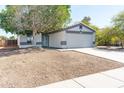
column 79, row 40
column 76, row 36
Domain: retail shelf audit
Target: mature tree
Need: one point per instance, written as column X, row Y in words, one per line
column 115, row 40
column 86, row 20
column 6, row 20
column 105, row 36
column 118, row 23
column 36, row 19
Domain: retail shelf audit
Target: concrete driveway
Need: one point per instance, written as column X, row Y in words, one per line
column 112, row 55
column 115, row 77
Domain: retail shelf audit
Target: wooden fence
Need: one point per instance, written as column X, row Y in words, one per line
column 8, row 43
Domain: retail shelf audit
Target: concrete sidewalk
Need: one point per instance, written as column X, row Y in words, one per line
column 108, row 79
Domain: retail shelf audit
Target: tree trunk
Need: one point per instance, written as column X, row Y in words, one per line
column 33, row 35
column 122, row 43
column 33, row 29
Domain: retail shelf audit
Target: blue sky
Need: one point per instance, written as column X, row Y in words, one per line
column 100, row 14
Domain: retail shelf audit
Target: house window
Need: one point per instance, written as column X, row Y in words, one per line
column 80, row 27
column 93, row 42
column 29, row 38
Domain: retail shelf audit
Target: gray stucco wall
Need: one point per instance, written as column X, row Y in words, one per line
column 56, row 40
column 22, row 41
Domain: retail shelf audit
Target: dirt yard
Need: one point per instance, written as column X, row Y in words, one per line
column 36, row 67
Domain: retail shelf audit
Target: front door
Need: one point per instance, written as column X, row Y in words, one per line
column 45, row 40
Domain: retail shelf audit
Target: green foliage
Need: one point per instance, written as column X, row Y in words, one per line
column 36, row 18
column 12, row 38
column 86, row 20
column 112, row 35
column 3, row 38
column 118, row 23
column 114, row 40
column 109, row 35
column 104, row 36
column 6, row 18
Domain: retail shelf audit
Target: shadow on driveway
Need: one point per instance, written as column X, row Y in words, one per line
column 4, row 52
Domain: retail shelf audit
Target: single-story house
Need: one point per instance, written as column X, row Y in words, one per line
column 76, row 36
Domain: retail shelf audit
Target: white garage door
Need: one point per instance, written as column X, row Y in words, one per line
column 79, row 40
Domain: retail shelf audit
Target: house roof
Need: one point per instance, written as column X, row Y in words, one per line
column 72, row 27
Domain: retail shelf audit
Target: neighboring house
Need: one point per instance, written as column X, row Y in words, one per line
column 76, row 36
